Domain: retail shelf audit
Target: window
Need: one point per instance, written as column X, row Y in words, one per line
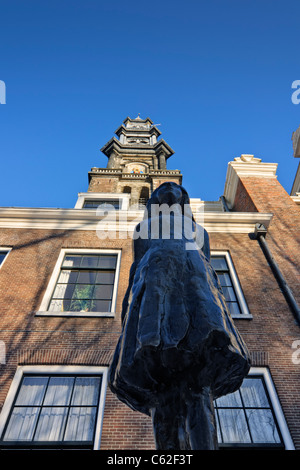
column 120, row 201
column 144, row 197
column 109, row 204
column 232, row 291
column 247, row 417
column 84, row 283
column 60, row 410
column 3, row 254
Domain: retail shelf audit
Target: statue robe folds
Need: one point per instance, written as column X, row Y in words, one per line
column 176, row 327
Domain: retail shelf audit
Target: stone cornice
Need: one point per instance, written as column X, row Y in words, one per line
column 87, row 219
column 119, row 172
column 133, row 130
column 137, row 149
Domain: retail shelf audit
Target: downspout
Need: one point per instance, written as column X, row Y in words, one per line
column 260, row 234
column 224, row 204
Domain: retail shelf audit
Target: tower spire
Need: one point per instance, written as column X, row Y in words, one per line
column 137, row 161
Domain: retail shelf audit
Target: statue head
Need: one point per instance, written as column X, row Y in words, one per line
column 170, row 193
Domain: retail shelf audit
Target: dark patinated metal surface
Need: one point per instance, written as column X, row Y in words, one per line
column 179, row 348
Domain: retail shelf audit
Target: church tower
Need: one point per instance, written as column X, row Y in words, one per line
column 137, row 162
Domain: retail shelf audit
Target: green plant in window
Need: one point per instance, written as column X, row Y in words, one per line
column 81, row 301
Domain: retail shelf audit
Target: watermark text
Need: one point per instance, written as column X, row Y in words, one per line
column 296, row 94
column 160, row 221
column 296, row 353
column 2, row 92
column 2, row 353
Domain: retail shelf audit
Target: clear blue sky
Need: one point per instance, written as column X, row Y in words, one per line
column 216, row 74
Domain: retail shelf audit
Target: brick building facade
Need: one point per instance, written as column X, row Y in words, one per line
column 62, row 283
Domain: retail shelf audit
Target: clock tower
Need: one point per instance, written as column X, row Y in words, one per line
column 137, row 162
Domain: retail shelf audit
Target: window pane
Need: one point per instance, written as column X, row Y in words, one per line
column 2, row 256
column 107, row 262
column 262, row 426
column 82, row 305
column 57, row 306
column 64, row 291
column 67, row 276
column 91, row 204
column 224, row 279
column 72, row 261
column 87, row 277
column 219, row 263
column 89, row 261
column 109, row 204
column 254, row 394
column 81, row 424
column 51, row 424
column 234, row 308
column 86, row 391
column 232, row 400
column 229, row 294
column 22, row 424
column 234, row 426
column 101, row 306
column 105, row 277
column 83, row 291
column 59, row 391
column 103, row 292
column 32, row 391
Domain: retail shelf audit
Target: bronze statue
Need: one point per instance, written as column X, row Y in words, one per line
column 179, row 348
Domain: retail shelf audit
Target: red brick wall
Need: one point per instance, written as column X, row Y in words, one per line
column 273, row 328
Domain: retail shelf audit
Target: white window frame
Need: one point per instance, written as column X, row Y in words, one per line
column 43, row 310
column 5, row 248
column 123, row 198
column 282, row 424
column 63, row 370
column 236, row 285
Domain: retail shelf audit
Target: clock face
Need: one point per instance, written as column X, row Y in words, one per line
column 137, row 170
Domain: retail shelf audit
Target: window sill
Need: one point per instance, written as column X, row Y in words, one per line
column 75, row 314
column 243, row 316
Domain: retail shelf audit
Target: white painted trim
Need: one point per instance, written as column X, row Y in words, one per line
column 236, row 285
column 58, row 369
column 122, row 197
column 5, row 248
column 43, row 310
column 47, row 313
column 296, row 183
column 87, row 219
column 289, row 445
column 296, row 198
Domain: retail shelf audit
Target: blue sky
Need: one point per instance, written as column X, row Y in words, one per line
column 215, row 74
